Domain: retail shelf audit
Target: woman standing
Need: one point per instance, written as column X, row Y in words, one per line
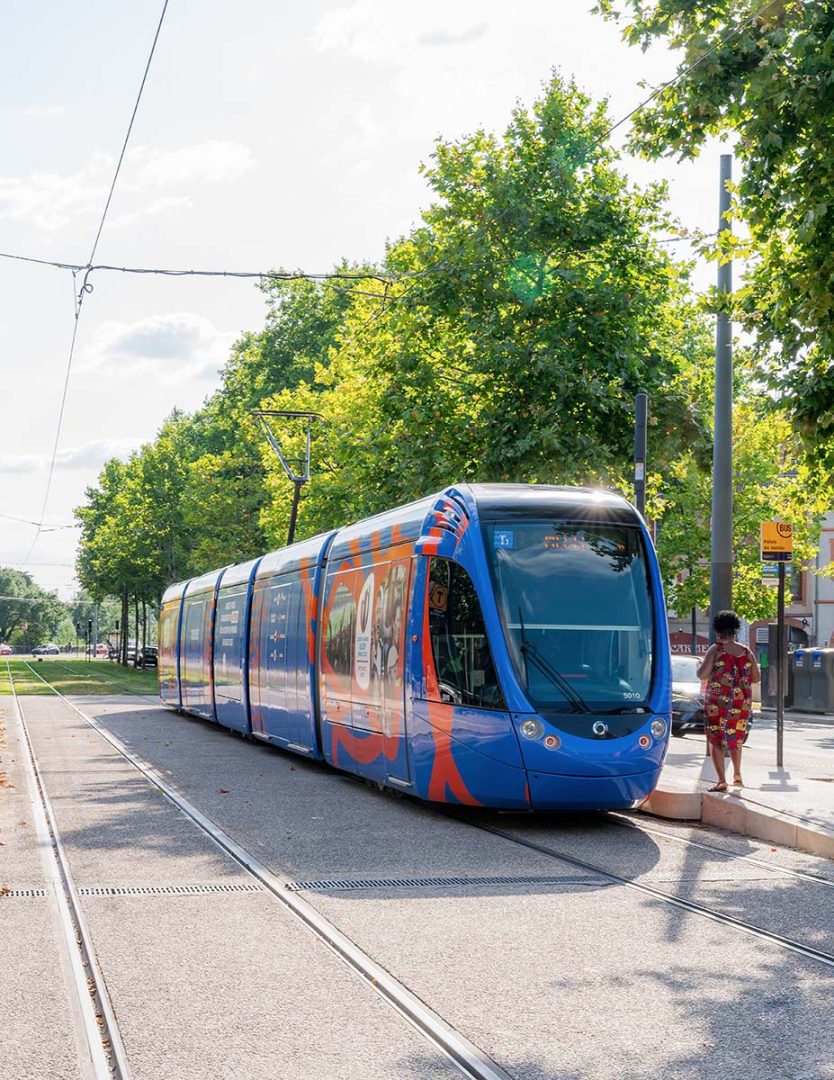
column 730, row 670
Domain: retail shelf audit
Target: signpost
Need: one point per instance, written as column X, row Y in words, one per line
column 777, row 547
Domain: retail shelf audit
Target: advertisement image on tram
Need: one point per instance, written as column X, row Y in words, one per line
column 496, row 645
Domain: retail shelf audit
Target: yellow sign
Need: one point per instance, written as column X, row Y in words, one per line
column 777, row 541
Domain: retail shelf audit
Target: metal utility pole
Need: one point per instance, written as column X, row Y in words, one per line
column 641, row 415
column 721, row 576
column 780, row 669
column 299, row 479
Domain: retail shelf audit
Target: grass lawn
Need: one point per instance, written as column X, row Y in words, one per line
column 74, row 676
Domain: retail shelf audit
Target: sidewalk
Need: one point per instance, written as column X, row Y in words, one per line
column 792, row 806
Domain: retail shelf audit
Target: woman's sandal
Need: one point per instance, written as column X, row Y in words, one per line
column 738, row 782
column 718, row 787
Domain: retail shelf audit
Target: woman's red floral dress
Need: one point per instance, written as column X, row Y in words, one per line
column 728, row 698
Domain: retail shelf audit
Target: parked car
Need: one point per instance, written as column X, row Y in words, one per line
column 148, row 656
column 688, row 697
column 46, row 650
column 5, row 650
column 100, row 650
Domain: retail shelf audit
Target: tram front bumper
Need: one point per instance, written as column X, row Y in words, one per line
column 552, row 791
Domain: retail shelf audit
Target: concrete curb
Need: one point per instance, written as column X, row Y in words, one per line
column 732, row 812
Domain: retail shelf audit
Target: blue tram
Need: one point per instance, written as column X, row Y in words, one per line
column 498, row 645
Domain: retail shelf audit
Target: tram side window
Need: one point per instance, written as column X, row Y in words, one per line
column 465, row 672
column 339, row 632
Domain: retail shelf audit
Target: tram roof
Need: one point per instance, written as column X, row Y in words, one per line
column 496, row 501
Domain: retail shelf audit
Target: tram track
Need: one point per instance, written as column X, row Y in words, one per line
column 748, row 860
column 99, row 1041
column 809, row 952
column 470, row 1060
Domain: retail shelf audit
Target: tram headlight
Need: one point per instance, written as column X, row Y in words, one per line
column 658, row 728
column 532, row 728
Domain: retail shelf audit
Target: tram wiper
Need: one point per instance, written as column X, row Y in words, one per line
column 529, row 650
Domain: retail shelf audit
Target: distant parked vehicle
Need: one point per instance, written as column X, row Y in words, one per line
column 46, row 650
column 5, row 650
column 100, row 650
column 148, row 656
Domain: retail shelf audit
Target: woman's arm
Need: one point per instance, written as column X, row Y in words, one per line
column 705, row 667
column 755, row 674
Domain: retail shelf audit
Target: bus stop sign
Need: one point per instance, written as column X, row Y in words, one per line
column 777, row 541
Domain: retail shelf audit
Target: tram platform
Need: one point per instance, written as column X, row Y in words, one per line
column 792, row 805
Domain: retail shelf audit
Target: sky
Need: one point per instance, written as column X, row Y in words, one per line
column 268, row 135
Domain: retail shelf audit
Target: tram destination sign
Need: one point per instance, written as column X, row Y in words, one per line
column 777, row 542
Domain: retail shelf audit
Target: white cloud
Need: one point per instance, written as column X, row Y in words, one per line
column 38, row 111
column 52, row 200
column 173, row 348
column 90, row 455
column 168, row 202
column 211, row 163
column 389, row 34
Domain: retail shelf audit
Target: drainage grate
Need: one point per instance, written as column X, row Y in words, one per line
column 325, row 885
column 138, row 890
column 167, row 890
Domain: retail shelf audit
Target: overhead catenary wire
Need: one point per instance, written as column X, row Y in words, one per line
column 89, row 268
column 78, row 298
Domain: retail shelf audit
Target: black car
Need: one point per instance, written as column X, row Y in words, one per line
column 687, row 699
column 46, row 650
column 147, row 656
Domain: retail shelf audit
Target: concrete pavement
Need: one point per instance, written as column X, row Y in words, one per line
column 792, row 805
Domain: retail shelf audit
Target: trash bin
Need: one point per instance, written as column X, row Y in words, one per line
column 822, row 680
column 769, row 673
column 803, row 697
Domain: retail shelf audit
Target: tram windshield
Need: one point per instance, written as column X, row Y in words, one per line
column 576, row 610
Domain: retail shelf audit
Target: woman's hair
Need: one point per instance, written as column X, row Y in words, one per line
column 726, row 622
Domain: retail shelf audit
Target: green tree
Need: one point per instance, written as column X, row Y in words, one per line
column 28, row 613
column 773, row 480
column 531, row 306
column 761, row 72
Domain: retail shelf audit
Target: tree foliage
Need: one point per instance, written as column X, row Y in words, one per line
column 521, row 316
column 765, row 74
column 531, row 305
column 28, row 613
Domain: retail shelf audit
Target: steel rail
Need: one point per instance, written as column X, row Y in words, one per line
column 808, row 951
column 103, row 1042
column 748, row 860
column 97, row 679
column 468, row 1058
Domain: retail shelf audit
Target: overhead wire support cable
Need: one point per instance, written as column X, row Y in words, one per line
column 691, row 67
column 86, row 287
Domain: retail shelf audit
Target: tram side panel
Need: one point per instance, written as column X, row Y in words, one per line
column 283, row 629
column 464, row 746
column 231, row 641
column 168, row 662
column 196, row 676
column 362, row 659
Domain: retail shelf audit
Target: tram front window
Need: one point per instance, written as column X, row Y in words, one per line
column 576, row 610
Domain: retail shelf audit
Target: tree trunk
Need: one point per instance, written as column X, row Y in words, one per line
column 135, row 629
column 125, row 616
